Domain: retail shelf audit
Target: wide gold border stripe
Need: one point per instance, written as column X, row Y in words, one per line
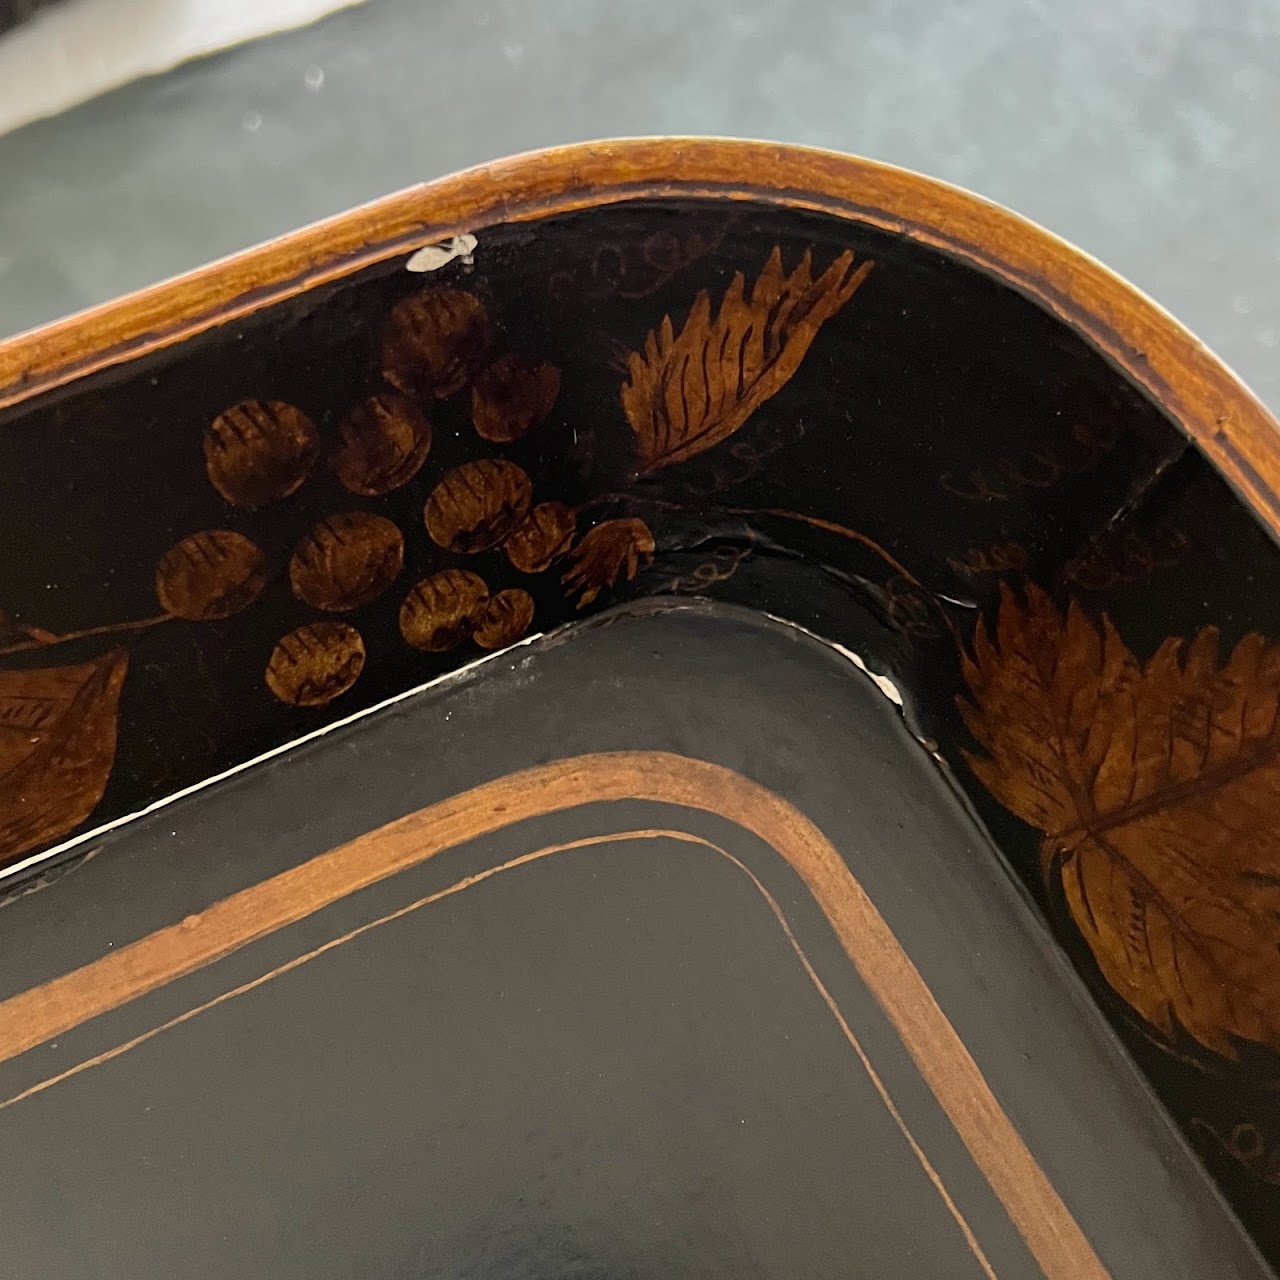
column 1051, row 1233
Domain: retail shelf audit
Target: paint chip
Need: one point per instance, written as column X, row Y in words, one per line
column 435, row 256
column 883, row 683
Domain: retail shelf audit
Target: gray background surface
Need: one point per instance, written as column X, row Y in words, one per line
column 1143, row 132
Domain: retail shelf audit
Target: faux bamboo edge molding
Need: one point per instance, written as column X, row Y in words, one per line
column 1199, row 392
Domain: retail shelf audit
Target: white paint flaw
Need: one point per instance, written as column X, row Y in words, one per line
column 883, row 683
column 435, row 256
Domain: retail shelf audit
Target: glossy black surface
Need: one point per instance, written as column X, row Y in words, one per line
column 929, row 373
column 609, row 1063
column 941, row 440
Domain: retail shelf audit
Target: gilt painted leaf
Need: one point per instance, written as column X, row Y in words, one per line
column 315, row 663
column 346, row 561
column 504, row 619
column 57, row 746
column 512, row 396
column 687, row 392
column 434, row 341
column 1157, row 788
column 477, row 505
column 385, row 441
column 443, row 611
column 542, row 537
column 612, row 550
column 210, row 575
column 259, row 451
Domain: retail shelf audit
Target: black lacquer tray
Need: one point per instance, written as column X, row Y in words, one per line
column 663, row 708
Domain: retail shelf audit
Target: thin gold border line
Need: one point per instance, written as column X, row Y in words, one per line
column 1043, row 1220
column 523, row 860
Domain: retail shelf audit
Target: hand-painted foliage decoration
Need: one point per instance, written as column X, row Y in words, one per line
column 385, row 441
column 512, row 396
column 435, row 341
column 542, row 537
column 347, row 561
column 687, row 392
column 210, row 575
column 57, row 746
column 612, row 549
column 477, row 505
column 313, row 664
column 343, row 495
column 1157, row 788
column 444, row 610
column 259, row 451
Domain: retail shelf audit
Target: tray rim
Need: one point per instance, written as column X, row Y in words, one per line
column 1198, row 391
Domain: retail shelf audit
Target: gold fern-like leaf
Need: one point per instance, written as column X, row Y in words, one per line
column 685, row 393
